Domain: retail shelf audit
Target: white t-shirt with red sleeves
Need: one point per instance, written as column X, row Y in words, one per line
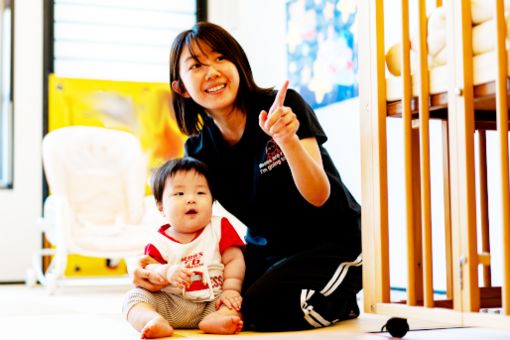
column 202, row 255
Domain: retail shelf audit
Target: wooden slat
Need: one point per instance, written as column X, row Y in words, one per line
column 484, row 259
column 412, row 258
column 447, row 210
column 417, row 232
column 484, row 204
column 426, row 225
column 502, row 119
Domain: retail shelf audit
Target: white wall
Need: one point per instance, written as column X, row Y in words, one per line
column 21, row 206
column 259, row 25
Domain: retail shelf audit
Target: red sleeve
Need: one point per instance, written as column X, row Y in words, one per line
column 229, row 236
column 153, row 252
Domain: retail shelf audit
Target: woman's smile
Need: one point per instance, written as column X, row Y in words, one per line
column 216, row 88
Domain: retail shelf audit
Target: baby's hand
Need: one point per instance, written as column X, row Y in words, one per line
column 231, row 299
column 179, row 276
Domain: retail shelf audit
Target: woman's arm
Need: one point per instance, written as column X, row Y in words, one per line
column 176, row 275
column 303, row 156
column 305, row 162
column 143, row 277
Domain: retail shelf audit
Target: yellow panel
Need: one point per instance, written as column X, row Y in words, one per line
column 143, row 109
column 82, row 266
column 140, row 108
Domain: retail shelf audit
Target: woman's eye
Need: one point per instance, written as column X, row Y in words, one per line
column 195, row 66
column 220, row 58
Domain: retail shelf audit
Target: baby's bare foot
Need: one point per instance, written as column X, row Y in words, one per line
column 156, row 328
column 221, row 324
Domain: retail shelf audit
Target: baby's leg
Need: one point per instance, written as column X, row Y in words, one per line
column 144, row 318
column 222, row 321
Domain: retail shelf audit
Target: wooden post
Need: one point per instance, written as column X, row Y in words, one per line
column 462, row 184
column 374, row 184
column 502, row 124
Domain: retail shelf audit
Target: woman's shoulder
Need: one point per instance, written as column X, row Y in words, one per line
column 291, row 94
column 294, row 98
column 196, row 145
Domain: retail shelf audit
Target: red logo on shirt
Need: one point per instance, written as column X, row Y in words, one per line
column 274, row 157
column 193, row 261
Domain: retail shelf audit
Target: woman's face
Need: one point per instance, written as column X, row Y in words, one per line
column 209, row 79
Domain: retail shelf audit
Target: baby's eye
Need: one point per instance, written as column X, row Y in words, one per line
column 178, row 193
column 201, row 192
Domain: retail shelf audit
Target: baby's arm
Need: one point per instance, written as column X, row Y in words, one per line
column 233, row 275
column 172, row 274
column 176, row 275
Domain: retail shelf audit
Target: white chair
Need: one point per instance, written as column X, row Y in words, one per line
column 97, row 205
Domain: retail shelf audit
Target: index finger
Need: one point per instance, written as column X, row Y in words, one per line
column 280, row 96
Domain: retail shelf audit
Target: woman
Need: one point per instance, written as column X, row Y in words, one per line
column 264, row 150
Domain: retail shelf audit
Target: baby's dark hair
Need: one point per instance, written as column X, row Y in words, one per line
column 171, row 167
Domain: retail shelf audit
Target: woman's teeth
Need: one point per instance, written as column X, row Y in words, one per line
column 216, row 88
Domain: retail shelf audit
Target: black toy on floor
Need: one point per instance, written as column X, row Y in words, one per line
column 397, row 327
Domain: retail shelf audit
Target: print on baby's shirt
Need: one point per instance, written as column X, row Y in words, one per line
column 193, row 261
column 200, row 287
column 274, row 157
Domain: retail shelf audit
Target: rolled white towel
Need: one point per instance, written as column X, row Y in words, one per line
column 436, row 36
column 436, row 31
column 436, row 42
column 482, row 10
column 439, row 59
column 484, row 35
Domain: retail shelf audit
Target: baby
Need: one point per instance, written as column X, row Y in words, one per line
column 199, row 255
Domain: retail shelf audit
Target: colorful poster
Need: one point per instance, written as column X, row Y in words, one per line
column 322, row 50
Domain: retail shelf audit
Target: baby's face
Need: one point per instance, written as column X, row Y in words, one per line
column 187, row 202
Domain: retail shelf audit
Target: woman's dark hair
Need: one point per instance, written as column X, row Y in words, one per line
column 189, row 115
column 171, row 167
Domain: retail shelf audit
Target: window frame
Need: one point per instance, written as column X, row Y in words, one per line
column 6, row 96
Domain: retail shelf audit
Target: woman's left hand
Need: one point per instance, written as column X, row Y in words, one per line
column 280, row 122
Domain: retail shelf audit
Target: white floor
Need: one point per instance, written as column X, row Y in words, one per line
column 74, row 313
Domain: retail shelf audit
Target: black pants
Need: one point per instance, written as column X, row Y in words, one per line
column 314, row 288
